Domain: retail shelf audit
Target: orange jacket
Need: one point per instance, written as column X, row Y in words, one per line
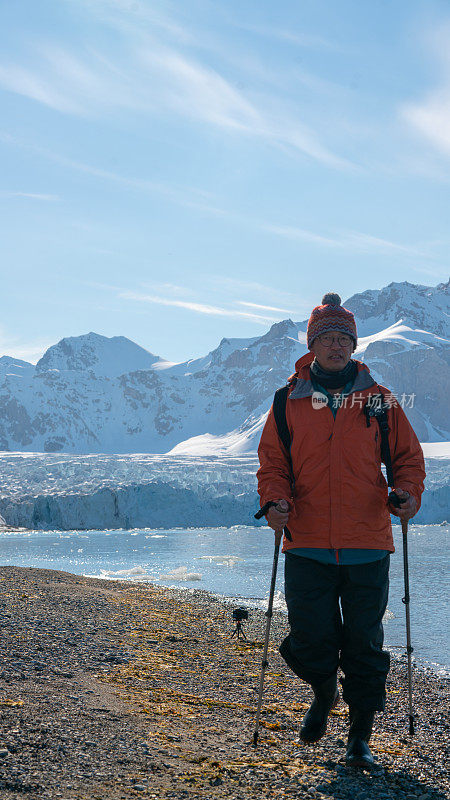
column 340, row 495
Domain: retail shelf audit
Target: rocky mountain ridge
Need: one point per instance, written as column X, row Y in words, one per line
column 97, row 394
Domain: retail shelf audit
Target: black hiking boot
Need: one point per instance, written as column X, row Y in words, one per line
column 326, row 697
column 358, row 751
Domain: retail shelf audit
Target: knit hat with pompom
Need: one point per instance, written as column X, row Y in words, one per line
column 330, row 317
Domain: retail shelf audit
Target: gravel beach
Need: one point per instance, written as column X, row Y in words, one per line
column 115, row 690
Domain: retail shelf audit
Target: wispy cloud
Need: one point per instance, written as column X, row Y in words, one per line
column 200, row 92
column 72, row 84
column 196, row 199
column 240, row 285
column 198, row 308
column 154, row 78
column 436, row 273
column 22, row 81
column 31, row 196
column 430, row 117
column 366, row 243
column 124, row 15
column 308, row 40
column 264, row 308
column 346, row 240
column 171, row 288
column 31, row 352
column 189, row 197
column 300, row 234
column 266, row 292
column 212, row 284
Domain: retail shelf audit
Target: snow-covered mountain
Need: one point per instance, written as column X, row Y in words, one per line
column 420, row 307
column 108, row 395
column 96, row 355
column 403, row 332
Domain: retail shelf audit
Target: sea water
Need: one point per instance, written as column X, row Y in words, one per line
column 237, row 563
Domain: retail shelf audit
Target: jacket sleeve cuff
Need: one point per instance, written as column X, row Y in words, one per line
column 271, row 498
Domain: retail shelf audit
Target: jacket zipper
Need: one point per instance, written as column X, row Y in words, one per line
column 329, row 439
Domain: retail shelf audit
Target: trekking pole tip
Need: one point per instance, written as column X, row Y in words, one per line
column 255, row 738
column 411, row 726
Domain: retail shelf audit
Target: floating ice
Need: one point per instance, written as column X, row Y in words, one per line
column 222, row 561
column 133, row 571
column 181, row 574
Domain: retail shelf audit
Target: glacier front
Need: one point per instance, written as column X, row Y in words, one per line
column 66, row 492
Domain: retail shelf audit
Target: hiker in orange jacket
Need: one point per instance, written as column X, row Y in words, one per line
column 333, row 498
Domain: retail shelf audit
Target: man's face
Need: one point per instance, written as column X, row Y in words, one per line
column 332, row 350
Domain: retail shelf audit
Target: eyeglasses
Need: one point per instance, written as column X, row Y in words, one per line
column 327, row 339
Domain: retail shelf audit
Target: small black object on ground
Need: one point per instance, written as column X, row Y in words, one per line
column 239, row 614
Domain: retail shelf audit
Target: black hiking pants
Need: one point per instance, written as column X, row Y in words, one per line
column 335, row 614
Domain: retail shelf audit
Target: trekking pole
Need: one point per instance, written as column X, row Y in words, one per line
column 278, row 534
column 409, row 649
column 406, row 599
column 265, row 663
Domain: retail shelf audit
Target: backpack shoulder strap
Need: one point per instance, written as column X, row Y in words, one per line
column 378, row 408
column 279, row 412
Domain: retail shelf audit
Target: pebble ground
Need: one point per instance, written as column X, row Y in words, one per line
column 111, row 690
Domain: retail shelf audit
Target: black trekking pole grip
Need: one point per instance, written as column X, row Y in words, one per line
column 263, row 511
column 394, row 499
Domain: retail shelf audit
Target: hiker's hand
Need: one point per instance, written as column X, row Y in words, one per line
column 277, row 516
column 408, row 505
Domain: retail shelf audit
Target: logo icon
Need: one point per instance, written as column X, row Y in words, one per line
column 319, row 400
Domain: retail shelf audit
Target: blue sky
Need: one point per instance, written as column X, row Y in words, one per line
column 182, row 171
